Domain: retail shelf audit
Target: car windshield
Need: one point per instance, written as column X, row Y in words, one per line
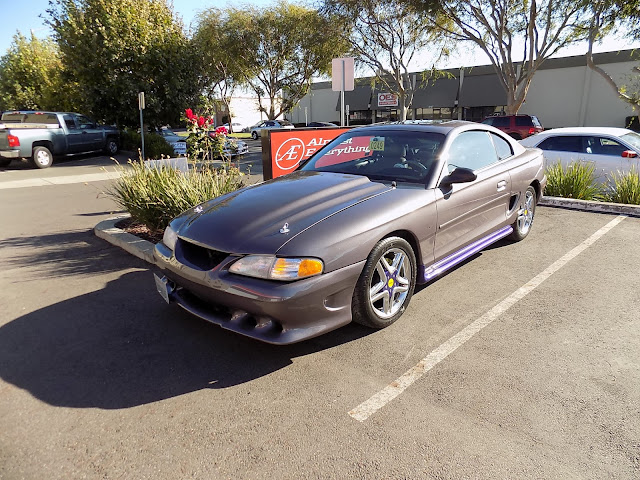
column 633, row 139
column 401, row 156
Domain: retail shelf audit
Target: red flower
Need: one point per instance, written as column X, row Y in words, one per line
column 200, row 121
column 222, row 130
column 189, row 113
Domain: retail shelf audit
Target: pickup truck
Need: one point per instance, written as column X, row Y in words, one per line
column 39, row 136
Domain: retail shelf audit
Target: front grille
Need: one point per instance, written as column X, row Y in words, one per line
column 198, row 257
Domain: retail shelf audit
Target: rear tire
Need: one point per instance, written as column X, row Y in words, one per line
column 524, row 222
column 4, row 162
column 41, row 157
column 516, row 136
column 386, row 284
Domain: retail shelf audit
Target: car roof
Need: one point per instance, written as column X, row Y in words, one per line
column 416, row 125
column 617, row 131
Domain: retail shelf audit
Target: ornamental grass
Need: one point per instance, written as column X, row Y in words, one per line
column 624, row 187
column 154, row 196
column 577, row 180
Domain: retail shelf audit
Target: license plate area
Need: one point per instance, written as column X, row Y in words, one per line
column 162, row 287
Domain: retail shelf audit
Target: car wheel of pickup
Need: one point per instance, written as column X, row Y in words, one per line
column 4, row 162
column 42, row 157
column 111, row 146
column 386, row 284
column 524, row 221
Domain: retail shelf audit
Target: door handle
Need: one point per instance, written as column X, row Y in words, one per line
column 502, row 184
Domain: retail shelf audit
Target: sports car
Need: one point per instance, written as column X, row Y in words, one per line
column 348, row 235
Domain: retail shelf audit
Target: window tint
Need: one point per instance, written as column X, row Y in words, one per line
column 69, row 122
column 604, row 146
column 523, row 121
column 269, row 124
column 472, row 150
column 502, row 147
column 501, row 121
column 84, row 122
column 571, row 143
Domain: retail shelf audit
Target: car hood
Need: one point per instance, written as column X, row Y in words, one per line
column 262, row 218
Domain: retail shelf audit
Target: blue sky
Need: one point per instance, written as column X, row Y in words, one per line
column 26, row 15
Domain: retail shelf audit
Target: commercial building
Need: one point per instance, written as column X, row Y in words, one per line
column 564, row 92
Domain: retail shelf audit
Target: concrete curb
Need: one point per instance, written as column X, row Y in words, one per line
column 591, row 206
column 143, row 249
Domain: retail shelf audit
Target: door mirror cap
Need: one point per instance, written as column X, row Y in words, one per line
column 629, row 154
column 459, row 175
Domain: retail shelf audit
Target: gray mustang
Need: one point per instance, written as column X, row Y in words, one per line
column 349, row 234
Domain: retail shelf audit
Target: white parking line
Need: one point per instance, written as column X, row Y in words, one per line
column 391, row 391
column 60, row 180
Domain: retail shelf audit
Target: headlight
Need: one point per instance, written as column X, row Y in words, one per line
column 170, row 237
column 273, row 268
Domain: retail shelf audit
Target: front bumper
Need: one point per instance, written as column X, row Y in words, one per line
column 10, row 153
column 270, row 311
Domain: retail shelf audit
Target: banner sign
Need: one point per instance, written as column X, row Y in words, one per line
column 387, row 100
column 287, row 148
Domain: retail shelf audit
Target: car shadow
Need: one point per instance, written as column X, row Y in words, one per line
column 122, row 346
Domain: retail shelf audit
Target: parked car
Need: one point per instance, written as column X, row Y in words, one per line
column 518, row 126
column 608, row 149
column 256, row 130
column 236, row 127
column 350, row 233
column 39, row 136
column 321, row 124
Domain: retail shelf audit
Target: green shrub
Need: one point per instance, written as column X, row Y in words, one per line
column 624, row 188
column 155, row 146
column 577, row 180
column 153, row 196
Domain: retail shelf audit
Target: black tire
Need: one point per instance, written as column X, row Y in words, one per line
column 111, row 147
column 526, row 210
column 4, row 162
column 41, row 157
column 371, row 313
column 516, row 136
column 254, row 135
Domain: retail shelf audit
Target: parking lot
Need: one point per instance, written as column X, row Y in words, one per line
column 521, row 363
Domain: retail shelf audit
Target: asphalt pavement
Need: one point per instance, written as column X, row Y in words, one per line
column 100, row 379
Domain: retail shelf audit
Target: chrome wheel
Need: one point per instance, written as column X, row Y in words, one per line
column 525, row 215
column 390, row 283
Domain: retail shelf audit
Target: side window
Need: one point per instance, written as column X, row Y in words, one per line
column 472, row 150
column 523, row 121
column 69, row 122
column 269, row 124
column 563, row 144
column 604, row 146
column 84, row 122
column 503, row 148
column 502, row 122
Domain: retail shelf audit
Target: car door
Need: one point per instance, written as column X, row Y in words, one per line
column 469, row 211
column 74, row 134
column 605, row 153
column 90, row 134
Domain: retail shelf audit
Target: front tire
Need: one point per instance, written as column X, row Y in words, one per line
column 111, row 147
column 254, row 135
column 386, row 284
column 524, row 221
column 41, row 157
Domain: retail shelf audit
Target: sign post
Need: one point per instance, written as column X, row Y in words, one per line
column 342, row 79
column 141, row 107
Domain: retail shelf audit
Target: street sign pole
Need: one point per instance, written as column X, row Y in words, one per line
column 342, row 98
column 141, row 107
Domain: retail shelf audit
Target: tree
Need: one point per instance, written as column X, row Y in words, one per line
column 386, row 37
column 221, row 74
column 30, row 75
column 278, row 50
column 516, row 36
column 605, row 16
column 113, row 49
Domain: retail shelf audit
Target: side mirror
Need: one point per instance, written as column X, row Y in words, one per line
column 459, row 175
column 629, row 154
